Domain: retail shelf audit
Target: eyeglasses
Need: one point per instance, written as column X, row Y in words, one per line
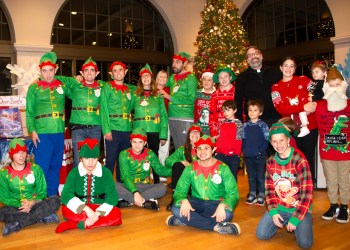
column 256, row 53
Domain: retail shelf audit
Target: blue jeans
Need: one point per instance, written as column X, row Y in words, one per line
column 80, row 135
column 201, row 217
column 120, row 141
column 48, row 155
column 256, row 174
column 303, row 234
column 230, row 160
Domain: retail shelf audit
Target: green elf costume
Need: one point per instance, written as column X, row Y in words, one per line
column 45, row 113
column 116, row 106
column 21, row 185
column 135, row 172
column 183, row 89
column 85, row 120
column 150, row 113
column 89, row 191
column 211, row 186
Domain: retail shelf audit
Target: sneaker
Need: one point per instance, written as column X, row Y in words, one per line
column 260, row 201
column 304, row 131
column 343, row 216
column 10, row 227
column 52, row 218
column 123, row 204
column 251, row 199
column 331, row 213
column 151, row 204
column 173, row 221
column 229, row 228
column 170, row 205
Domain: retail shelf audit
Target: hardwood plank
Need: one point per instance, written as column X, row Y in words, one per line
column 147, row 230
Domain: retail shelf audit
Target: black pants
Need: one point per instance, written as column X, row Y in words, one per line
column 39, row 210
column 307, row 145
column 177, row 170
column 153, row 144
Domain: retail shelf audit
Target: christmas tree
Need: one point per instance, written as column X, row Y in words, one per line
column 221, row 39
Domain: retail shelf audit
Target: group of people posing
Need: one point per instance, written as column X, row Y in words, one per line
column 270, row 117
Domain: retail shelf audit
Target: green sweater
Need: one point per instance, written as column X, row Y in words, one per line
column 183, row 89
column 116, row 107
column 17, row 186
column 178, row 156
column 97, row 188
column 150, row 114
column 45, row 111
column 85, row 101
column 219, row 185
column 137, row 169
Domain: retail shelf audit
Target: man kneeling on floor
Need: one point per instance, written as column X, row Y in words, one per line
column 214, row 193
column 89, row 196
column 136, row 164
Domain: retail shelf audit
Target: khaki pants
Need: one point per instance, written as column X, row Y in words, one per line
column 337, row 179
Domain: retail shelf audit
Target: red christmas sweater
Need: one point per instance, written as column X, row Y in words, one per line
column 290, row 97
column 216, row 114
column 334, row 132
column 229, row 141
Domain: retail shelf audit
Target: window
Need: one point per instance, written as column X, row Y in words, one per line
column 5, row 54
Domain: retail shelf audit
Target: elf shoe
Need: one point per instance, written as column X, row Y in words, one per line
column 67, row 225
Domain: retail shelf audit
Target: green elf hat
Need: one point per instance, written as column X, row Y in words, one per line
column 89, row 148
column 205, row 139
column 195, row 127
column 228, row 70
column 278, row 128
column 115, row 64
column 182, row 56
column 146, row 69
column 138, row 133
column 16, row 145
column 89, row 62
column 48, row 58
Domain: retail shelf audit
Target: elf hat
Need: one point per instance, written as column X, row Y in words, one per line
column 146, row 69
column 48, row 58
column 228, row 70
column 278, row 128
column 205, row 139
column 89, row 148
column 16, row 145
column 182, row 56
column 138, row 133
column 195, row 127
column 117, row 63
column 207, row 72
column 89, row 62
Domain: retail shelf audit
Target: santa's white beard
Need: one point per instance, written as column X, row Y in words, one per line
column 336, row 98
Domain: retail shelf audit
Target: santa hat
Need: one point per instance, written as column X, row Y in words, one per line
column 283, row 181
column 228, row 70
column 333, row 73
column 89, row 62
column 205, row 139
column 182, row 56
column 16, row 145
column 115, row 64
column 48, row 58
column 278, row 128
column 207, row 72
column 138, row 133
column 146, row 69
column 89, row 148
column 195, row 127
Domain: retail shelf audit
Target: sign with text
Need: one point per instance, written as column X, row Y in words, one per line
column 13, row 101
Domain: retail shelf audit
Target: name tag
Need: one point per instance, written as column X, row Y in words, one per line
column 335, row 139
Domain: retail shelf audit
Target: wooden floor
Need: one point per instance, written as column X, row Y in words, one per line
column 145, row 229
